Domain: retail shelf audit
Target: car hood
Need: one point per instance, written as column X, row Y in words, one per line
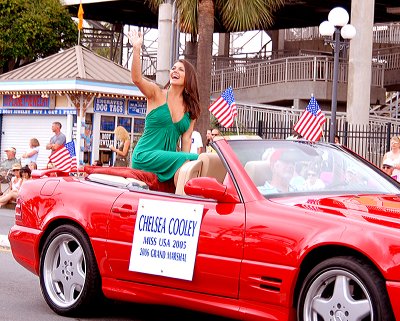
column 378, row 209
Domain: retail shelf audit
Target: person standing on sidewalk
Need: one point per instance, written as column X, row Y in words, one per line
column 394, row 155
column 32, row 153
column 58, row 139
column 197, row 143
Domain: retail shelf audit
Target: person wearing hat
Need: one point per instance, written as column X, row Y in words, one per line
column 15, row 184
column 282, row 165
column 388, row 168
column 6, row 165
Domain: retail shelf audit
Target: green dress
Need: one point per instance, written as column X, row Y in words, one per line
column 156, row 149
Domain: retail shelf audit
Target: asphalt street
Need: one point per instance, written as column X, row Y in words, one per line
column 21, row 298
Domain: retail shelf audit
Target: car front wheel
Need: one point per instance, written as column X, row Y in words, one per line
column 344, row 288
column 69, row 277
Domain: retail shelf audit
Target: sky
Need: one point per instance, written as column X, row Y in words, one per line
column 241, row 42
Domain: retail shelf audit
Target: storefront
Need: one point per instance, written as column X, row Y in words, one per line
column 108, row 113
column 89, row 109
column 24, row 118
column 30, row 116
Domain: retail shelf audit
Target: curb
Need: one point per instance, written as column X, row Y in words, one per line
column 4, row 243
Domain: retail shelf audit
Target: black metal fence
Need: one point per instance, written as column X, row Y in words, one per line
column 371, row 141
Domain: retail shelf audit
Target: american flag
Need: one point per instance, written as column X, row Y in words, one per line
column 64, row 158
column 224, row 108
column 310, row 122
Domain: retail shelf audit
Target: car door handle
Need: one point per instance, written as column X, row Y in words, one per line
column 124, row 211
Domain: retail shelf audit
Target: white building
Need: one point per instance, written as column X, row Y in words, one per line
column 88, row 94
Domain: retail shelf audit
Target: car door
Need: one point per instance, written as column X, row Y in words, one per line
column 219, row 249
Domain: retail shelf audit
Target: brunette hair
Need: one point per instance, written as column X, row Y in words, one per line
column 25, row 169
column 191, row 98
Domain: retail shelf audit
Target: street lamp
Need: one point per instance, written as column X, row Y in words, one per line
column 336, row 26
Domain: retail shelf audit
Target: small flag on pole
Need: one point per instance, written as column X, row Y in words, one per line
column 310, row 122
column 80, row 16
column 224, row 108
column 64, row 158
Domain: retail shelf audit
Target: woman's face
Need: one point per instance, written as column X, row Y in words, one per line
column 177, row 74
column 388, row 169
column 394, row 144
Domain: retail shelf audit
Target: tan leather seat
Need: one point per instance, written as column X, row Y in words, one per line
column 258, row 171
column 188, row 170
column 212, row 166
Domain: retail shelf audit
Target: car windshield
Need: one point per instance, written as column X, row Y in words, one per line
column 286, row 166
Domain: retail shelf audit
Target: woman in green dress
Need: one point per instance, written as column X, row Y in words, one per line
column 171, row 113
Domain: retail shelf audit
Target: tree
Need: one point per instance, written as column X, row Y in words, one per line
column 197, row 18
column 33, row 29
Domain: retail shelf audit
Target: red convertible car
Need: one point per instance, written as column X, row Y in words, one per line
column 259, row 230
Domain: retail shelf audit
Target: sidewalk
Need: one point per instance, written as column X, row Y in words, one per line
column 6, row 222
column 4, row 243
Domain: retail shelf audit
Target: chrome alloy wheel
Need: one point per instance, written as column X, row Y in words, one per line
column 337, row 295
column 64, row 270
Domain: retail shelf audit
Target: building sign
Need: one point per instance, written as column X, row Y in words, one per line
column 165, row 238
column 106, row 139
column 26, row 101
column 137, row 107
column 37, row 111
column 109, row 105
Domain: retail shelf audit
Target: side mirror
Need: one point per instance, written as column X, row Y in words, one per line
column 209, row 187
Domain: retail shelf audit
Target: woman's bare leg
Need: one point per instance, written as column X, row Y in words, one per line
column 6, row 198
column 177, row 173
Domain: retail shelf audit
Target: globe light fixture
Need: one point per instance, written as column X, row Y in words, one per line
column 348, row 32
column 338, row 17
column 335, row 27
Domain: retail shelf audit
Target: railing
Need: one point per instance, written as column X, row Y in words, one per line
column 382, row 33
column 291, row 69
column 389, row 56
column 149, row 65
column 386, row 33
column 370, row 141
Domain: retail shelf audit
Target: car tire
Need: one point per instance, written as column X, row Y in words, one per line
column 344, row 288
column 69, row 277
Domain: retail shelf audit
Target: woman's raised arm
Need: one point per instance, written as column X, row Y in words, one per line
column 148, row 88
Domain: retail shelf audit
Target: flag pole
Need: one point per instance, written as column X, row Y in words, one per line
column 237, row 126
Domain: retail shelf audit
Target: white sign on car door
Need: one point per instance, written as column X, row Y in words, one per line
column 165, row 238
